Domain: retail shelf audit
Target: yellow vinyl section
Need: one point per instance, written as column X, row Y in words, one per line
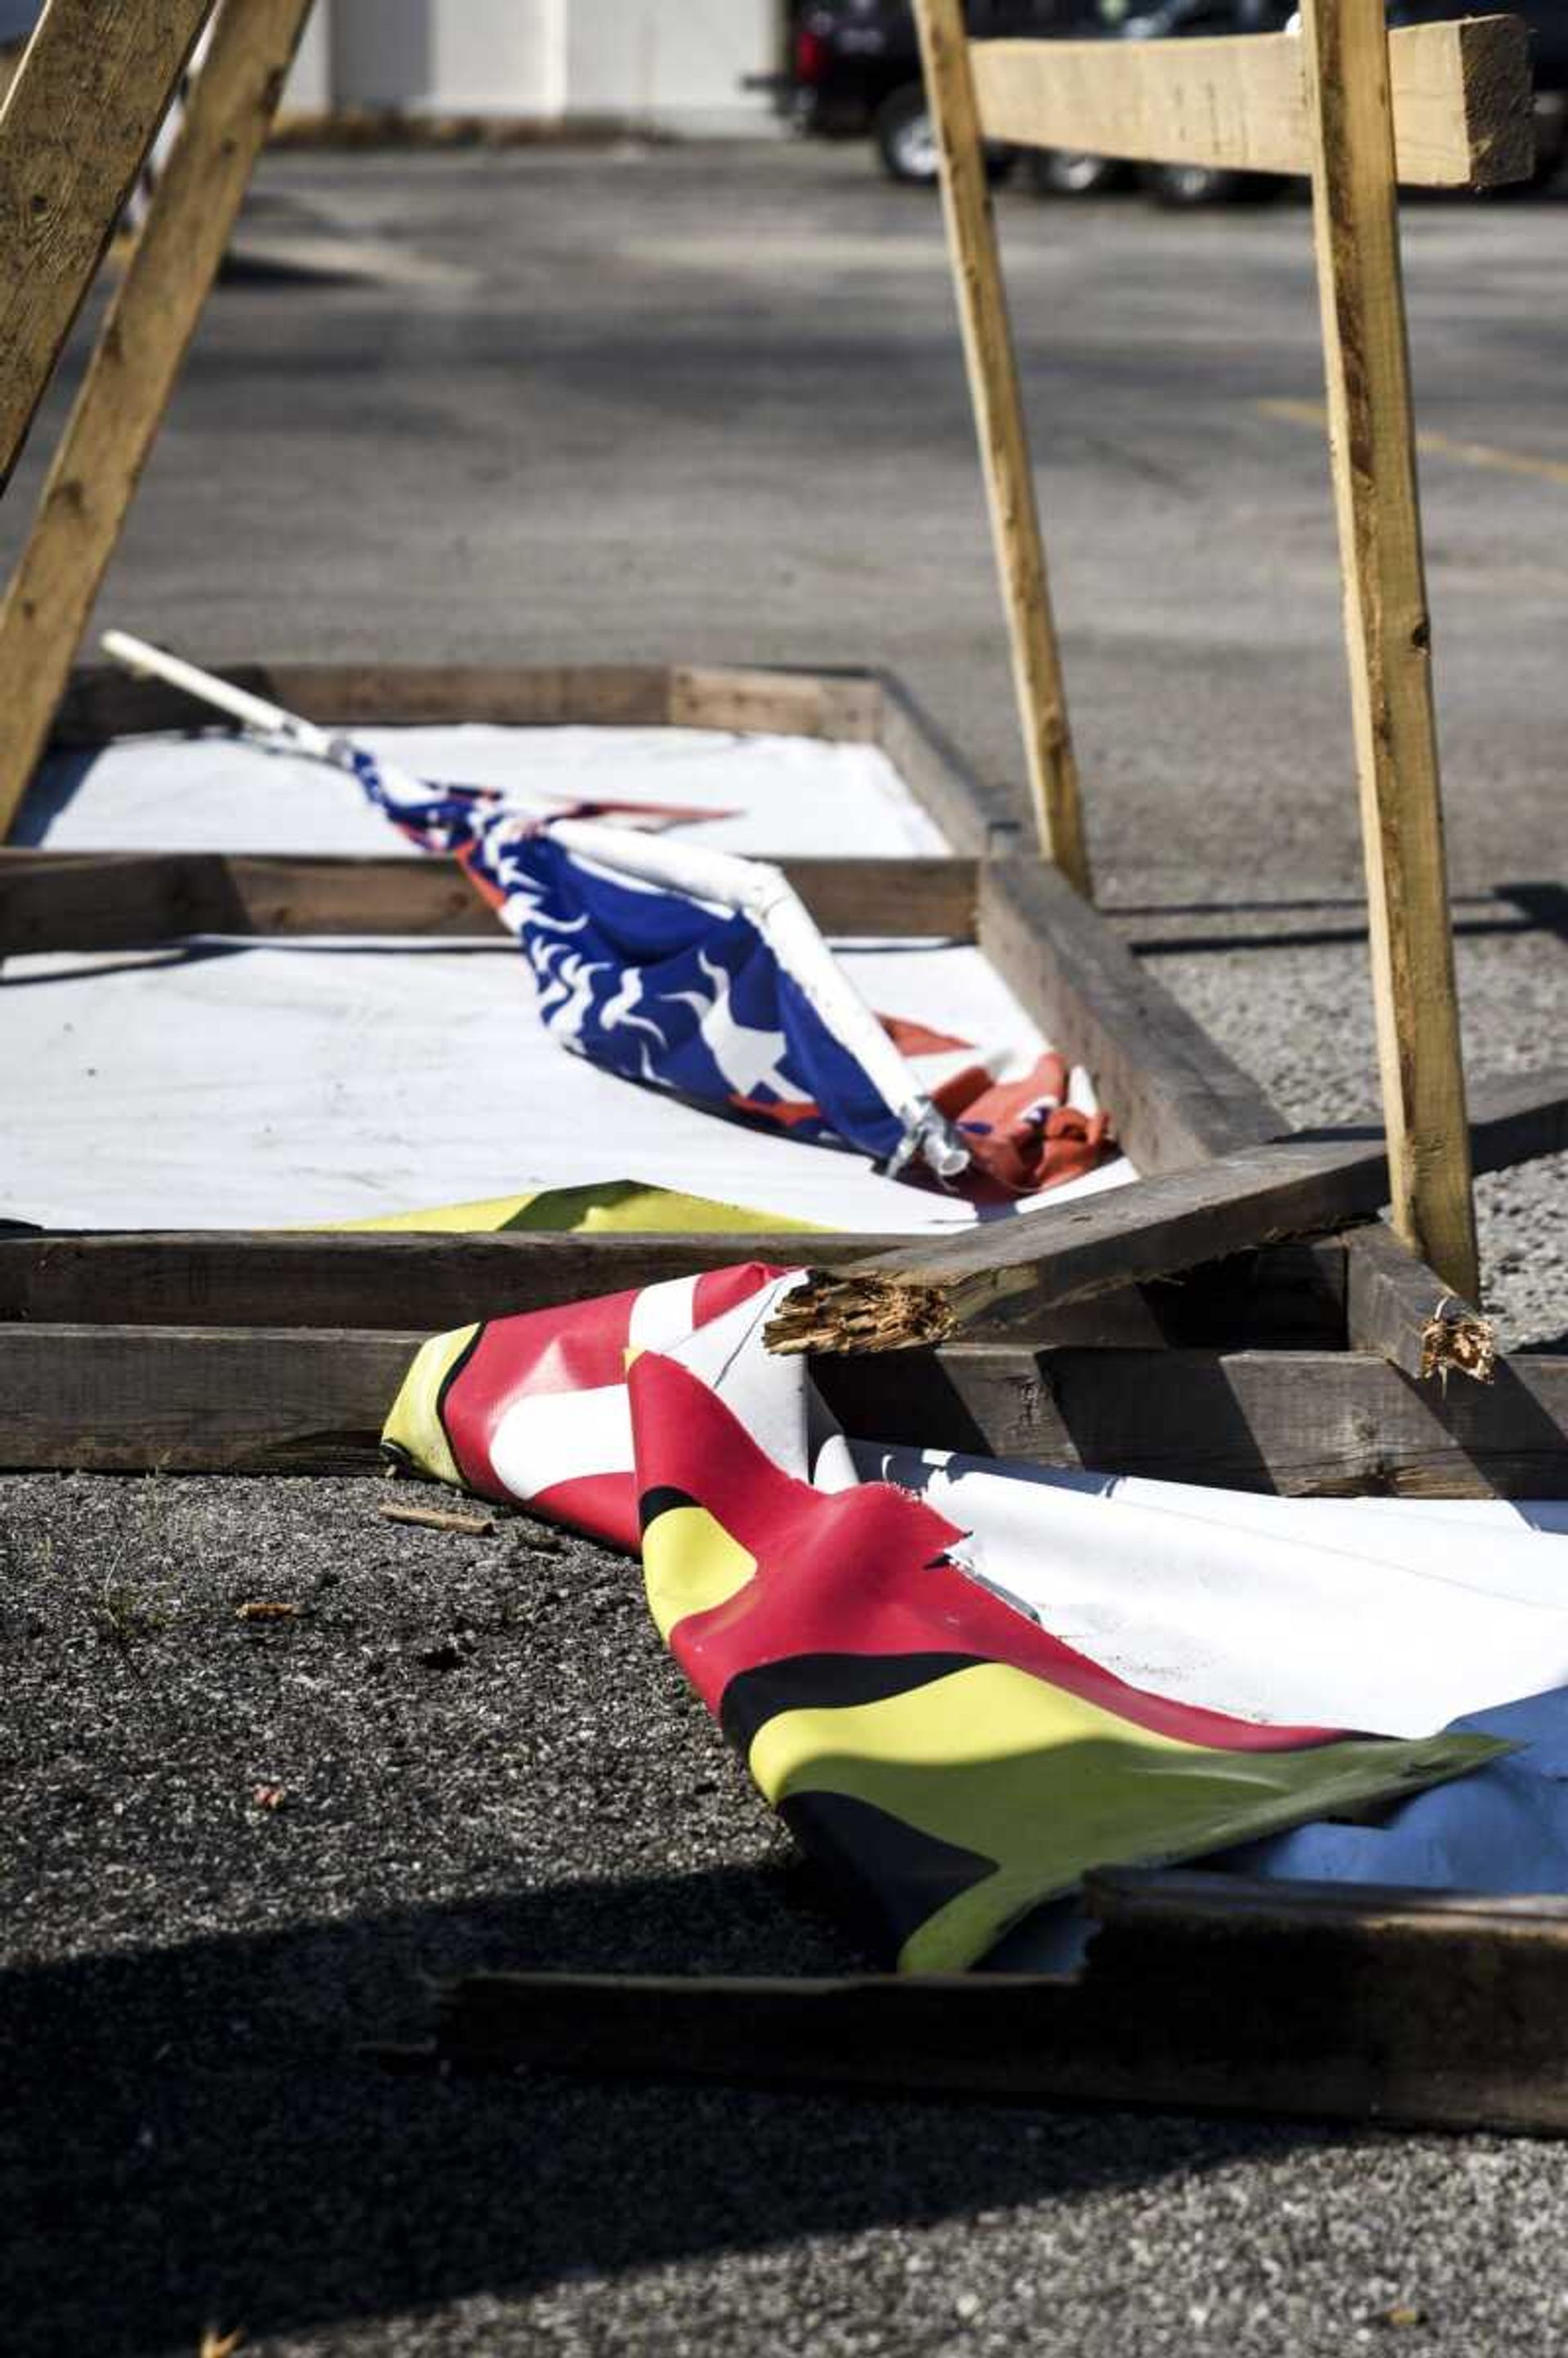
column 690, row 1564
column 608, row 1207
column 414, row 1425
column 1049, row 1786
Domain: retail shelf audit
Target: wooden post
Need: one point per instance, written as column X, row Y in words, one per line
column 1345, row 56
column 1004, row 447
column 79, row 117
column 133, row 372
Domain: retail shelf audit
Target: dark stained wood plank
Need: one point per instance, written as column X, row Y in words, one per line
column 103, row 701
column 254, row 1400
column 77, row 120
column 1177, row 1098
column 1298, row 1186
column 1300, row 1424
column 1198, row 1989
column 150, row 1398
column 1295, row 1294
column 85, row 901
column 975, row 817
column 1396, row 1305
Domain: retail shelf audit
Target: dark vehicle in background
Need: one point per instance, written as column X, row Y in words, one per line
column 854, row 66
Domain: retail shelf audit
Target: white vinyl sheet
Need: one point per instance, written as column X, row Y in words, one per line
column 1391, row 1616
column 261, row 1083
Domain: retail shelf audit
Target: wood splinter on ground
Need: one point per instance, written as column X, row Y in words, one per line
column 436, row 1519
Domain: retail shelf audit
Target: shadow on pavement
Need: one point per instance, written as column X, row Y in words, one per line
column 193, row 2134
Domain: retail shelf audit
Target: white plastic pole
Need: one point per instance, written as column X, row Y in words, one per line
column 252, row 712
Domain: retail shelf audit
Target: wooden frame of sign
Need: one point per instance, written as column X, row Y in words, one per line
column 1306, row 1367
column 1315, row 1366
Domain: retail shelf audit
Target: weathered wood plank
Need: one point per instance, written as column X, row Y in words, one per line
column 1004, row 444
column 1346, row 48
column 1175, row 1096
column 132, row 373
column 1198, row 1989
column 124, row 1399
column 1291, row 1294
column 1461, row 100
column 256, row 1400
column 1396, row 1305
column 102, row 900
column 103, row 702
column 975, row 817
column 1300, row 1424
column 1298, row 1186
column 78, row 118
column 788, row 704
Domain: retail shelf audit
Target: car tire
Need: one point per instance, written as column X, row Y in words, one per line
column 905, row 140
column 1070, row 172
column 1184, row 186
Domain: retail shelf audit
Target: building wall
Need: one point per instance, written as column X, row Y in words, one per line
column 674, row 64
column 677, row 63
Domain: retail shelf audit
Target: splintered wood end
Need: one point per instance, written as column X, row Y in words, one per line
column 1458, row 1342
column 841, row 1315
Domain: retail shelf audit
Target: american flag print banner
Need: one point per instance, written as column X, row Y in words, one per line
column 946, row 1755
column 699, row 973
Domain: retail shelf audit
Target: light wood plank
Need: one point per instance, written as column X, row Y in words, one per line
column 1461, row 100
column 131, row 377
column 77, row 121
column 1389, row 634
column 125, row 1399
column 790, row 704
column 1004, row 447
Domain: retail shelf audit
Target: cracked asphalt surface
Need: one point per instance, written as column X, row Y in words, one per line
column 685, row 404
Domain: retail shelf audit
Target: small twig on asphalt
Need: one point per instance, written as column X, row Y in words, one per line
column 436, row 1519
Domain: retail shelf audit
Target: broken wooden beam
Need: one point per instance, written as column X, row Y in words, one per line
column 1461, row 100
column 410, row 1280
column 928, row 1293
column 1427, row 2008
column 1394, row 1305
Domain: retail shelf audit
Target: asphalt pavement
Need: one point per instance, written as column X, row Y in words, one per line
column 707, row 405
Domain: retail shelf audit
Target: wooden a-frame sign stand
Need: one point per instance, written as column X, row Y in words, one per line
column 1315, row 1366
column 1305, row 1367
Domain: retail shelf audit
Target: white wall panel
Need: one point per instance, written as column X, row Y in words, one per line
column 676, row 64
